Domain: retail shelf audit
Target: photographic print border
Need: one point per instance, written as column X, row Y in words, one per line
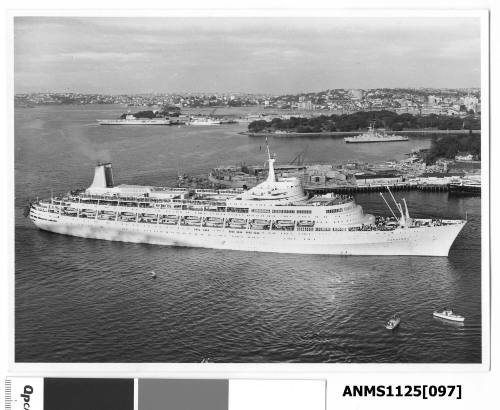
column 214, row 370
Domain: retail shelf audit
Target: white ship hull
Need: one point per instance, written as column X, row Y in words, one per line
column 203, row 123
column 134, row 122
column 421, row 241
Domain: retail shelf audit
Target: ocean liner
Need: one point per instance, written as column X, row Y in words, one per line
column 274, row 216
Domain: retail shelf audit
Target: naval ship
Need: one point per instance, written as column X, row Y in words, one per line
column 274, row 216
column 372, row 135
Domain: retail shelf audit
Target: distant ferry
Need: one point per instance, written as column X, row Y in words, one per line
column 274, row 216
column 372, row 135
column 468, row 186
column 204, row 121
column 131, row 120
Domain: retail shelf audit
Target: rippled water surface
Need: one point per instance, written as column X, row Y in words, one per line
column 83, row 300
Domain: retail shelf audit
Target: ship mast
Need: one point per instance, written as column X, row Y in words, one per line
column 407, row 213
column 405, row 219
column 271, row 177
column 388, row 206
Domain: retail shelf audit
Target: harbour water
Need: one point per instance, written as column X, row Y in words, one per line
column 82, row 300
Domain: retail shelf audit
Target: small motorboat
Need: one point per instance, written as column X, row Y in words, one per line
column 153, row 274
column 448, row 315
column 393, row 322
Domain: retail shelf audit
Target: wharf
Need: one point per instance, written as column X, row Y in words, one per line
column 350, row 189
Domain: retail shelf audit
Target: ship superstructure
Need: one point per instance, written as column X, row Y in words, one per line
column 374, row 135
column 274, row 216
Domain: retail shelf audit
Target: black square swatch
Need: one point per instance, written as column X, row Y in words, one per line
column 88, row 394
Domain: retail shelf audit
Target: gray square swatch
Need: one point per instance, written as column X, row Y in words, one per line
column 185, row 394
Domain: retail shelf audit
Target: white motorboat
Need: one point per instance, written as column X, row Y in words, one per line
column 448, row 315
column 393, row 322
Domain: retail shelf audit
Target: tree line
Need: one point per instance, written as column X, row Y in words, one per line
column 361, row 120
column 163, row 112
column 451, row 145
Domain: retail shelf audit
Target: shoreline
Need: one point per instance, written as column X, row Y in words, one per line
column 348, row 133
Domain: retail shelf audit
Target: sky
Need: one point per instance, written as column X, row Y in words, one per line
column 115, row 55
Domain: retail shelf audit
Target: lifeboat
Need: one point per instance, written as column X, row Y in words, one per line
column 214, row 222
column 305, row 223
column 259, row 224
column 149, row 218
column 128, row 214
column 70, row 211
column 211, row 219
column 87, row 213
column 169, row 219
column 237, row 223
column 192, row 221
column 127, row 217
column 284, row 224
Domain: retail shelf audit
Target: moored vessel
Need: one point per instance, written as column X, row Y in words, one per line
column 373, row 135
column 204, row 121
column 130, row 119
column 470, row 185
